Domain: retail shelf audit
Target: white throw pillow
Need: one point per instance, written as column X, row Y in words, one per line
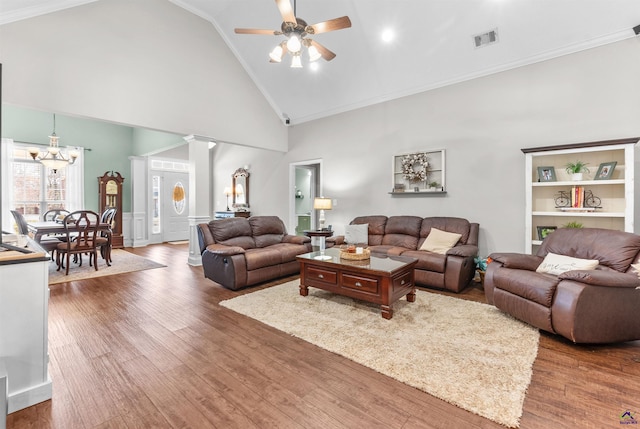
column 558, row 264
column 440, row 241
column 357, row 234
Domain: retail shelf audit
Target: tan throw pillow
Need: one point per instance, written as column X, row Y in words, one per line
column 558, row 264
column 440, row 241
column 357, row 234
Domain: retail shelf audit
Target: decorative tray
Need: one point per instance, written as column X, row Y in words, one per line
column 366, row 254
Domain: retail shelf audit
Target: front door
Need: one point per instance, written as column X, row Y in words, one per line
column 175, row 206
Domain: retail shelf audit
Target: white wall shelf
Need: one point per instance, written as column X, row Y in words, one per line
column 616, row 209
column 435, row 172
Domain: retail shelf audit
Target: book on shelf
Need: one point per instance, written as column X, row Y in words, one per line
column 577, row 196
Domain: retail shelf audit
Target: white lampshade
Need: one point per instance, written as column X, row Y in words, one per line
column 314, row 55
column 294, row 44
column 276, row 54
column 322, row 203
column 296, row 62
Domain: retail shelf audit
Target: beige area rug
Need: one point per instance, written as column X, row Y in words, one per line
column 123, row 262
column 466, row 353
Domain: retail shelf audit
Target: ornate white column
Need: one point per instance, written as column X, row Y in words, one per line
column 200, row 191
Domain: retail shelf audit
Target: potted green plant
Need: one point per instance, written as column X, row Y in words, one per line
column 572, row 224
column 575, row 169
column 433, row 186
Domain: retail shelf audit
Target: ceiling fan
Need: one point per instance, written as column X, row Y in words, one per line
column 297, row 31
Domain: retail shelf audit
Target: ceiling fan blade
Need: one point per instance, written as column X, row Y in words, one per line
column 257, row 31
column 326, row 54
column 330, row 25
column 284, row 6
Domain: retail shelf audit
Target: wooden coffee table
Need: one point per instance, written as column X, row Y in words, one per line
column 379, row 280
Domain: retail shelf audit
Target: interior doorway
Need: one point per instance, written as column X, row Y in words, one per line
column 305, row 185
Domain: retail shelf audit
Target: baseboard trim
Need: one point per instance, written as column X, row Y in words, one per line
column 31, row 396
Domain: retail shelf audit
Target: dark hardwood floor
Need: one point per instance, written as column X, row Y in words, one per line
column 154, row 349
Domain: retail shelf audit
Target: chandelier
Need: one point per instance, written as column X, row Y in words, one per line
column 53, row 157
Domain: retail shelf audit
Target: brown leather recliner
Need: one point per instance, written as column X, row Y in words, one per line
column 238, row 252
column 584, row 306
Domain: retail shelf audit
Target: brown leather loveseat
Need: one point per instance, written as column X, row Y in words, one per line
column 452, row 269
column 238, row 252
column 594, row 305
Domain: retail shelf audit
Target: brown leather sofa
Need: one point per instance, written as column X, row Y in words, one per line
column 404, row 235
column 584, row 306
column 238, row 252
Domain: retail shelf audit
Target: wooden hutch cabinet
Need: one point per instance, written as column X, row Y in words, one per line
column 110, row 196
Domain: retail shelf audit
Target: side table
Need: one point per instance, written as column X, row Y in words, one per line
column 321, row 237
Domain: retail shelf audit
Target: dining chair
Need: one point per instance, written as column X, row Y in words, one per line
column 105, row 235
column 81, row 229
column 49, row 244
column 54, row 215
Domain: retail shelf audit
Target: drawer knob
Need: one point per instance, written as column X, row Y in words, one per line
column 320, row 276
column 402, row 281
column 358, row 284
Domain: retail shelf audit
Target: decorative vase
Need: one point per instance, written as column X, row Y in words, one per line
column 576, row 176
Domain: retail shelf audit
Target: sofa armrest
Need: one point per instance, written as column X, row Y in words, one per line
column 221, row 249
column 602, row 278
column 295, row 239
column 463, row 250
column 336, row 240
column 518, row 261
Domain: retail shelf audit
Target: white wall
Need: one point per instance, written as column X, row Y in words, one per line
column 146, row 63
column 482, row 124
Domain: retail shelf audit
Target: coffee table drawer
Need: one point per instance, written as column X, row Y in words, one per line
column 363, row 284
column 322, row 275
column 403, row 281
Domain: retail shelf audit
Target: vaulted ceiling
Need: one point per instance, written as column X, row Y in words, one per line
column 432, row 43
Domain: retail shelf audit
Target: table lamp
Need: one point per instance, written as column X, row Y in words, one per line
column 322, row 204
column 227, row 192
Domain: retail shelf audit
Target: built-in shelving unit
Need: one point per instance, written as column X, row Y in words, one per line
column 616, row 208
column 423, row 176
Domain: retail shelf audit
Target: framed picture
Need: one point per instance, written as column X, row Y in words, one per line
column 546, row 174
column 543, row 231
column 605, row 170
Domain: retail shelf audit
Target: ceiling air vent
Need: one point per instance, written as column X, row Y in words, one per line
column 486, row 39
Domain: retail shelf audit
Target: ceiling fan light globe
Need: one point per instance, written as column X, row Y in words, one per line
column 276, row 54
column 296, row 62
column 314, row 55
column 294, row 44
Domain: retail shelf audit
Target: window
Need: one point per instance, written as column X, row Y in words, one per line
column 33, row 189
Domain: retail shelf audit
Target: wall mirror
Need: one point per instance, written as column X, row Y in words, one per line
column 240, row 179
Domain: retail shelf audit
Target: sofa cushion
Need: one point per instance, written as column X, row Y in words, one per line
column 235, row 231
column 558, row 264
column 402, row 231
column 440, row 241
column 262, row 257
column 356, row 234
column 450, row 224
column 267, row 230
column 428, row 260
column 376, row 227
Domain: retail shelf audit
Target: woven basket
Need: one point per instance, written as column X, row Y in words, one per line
column 366, row 254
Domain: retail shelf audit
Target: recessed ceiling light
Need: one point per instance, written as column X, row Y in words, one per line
column 388, row 35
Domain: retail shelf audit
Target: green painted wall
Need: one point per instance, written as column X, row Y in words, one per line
column 108, row 146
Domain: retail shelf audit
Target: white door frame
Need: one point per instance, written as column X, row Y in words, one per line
column 292, row 191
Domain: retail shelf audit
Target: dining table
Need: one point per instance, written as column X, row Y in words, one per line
column 53, row 228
